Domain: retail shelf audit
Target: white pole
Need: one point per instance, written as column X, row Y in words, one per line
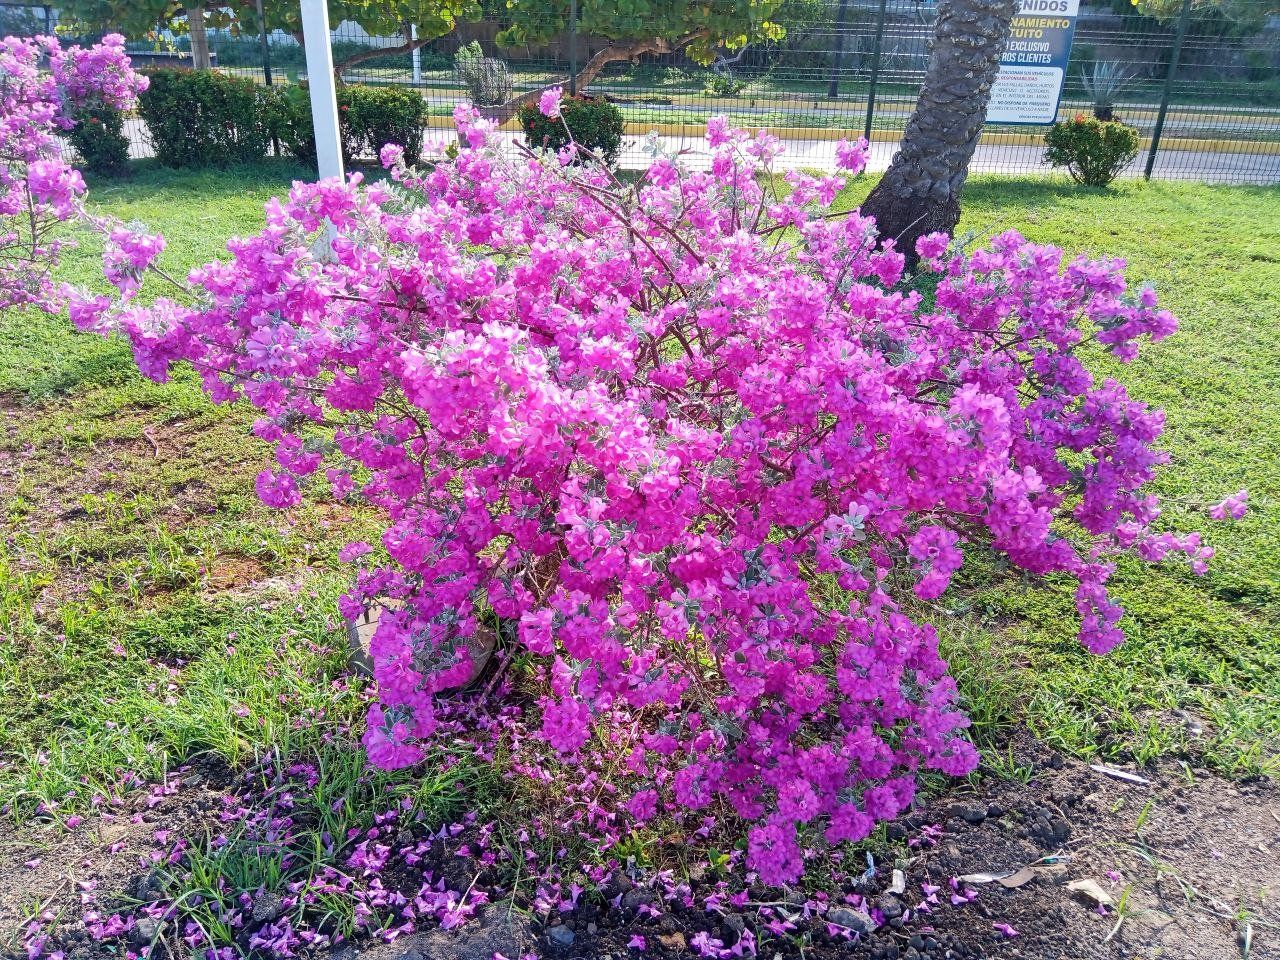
column 417, row 55
column 324, row 98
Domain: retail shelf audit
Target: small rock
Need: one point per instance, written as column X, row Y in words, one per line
column 855, row 920
column 673, row 941
column 145, row 930
column 618, row 883
column 267, row 907
column 561, row 934
column 592, row 928
column 899, row 884
column 968, row 812
column 889, row 906
column 735, row 922
column 633, row 899
column 148, row 887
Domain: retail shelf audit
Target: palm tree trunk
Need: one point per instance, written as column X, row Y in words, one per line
column 920, row 192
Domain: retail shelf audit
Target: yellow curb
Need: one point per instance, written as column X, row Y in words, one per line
column 695, row 131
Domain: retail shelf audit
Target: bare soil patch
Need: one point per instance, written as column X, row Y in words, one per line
column 52, row 873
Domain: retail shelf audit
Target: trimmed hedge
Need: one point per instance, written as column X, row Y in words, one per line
column 368, row 119
column 596, row 125
column 1093, row 151
column 99, row 139
column 201, row 118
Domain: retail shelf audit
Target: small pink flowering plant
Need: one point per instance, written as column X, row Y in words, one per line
column 690, row 447
column 39, row 189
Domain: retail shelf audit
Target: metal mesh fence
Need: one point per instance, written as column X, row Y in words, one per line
column 1199, row 80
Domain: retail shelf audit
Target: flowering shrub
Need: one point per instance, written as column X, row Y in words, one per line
column 38, row 188
column 96, row 85
column 690, row 446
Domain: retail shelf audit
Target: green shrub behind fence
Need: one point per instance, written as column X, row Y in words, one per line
column 205, row 118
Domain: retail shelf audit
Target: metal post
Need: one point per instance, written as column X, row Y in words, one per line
column 837, row 53
column 573, row 48
column 875, row 70
column 1174, row 57
column 324, row 96
column 266, row 46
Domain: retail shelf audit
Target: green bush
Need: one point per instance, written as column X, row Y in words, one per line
column 368, row 119
column 1093, row 151
column 204, row 118
column 722, row 83
column 372, row 117
column 289, row 113
column 596, row 125
column 99, row 139
column 1259, row 66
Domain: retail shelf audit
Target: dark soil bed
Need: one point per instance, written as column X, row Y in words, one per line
column 1186, row 864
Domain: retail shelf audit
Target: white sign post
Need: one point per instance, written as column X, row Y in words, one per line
column 1029, row 85
column 324, row 97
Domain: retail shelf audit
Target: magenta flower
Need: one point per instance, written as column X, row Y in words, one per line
column 1234, row 506
column 549, row 102
column 852, row 157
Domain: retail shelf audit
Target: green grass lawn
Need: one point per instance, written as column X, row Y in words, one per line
column 151, row 609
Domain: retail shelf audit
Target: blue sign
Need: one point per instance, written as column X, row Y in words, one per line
column 1034, row 66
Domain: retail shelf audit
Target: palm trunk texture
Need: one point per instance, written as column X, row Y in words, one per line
column 920, row 192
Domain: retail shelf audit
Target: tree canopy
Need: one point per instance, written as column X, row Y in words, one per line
column 699, row 28
column 380, row 18
column 1250, row 14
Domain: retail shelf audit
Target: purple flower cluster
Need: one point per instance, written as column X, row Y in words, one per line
column 38, row 187
column 97, row 77
column 683, row 444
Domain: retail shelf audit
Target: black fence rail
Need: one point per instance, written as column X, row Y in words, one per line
column 1199, row 80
